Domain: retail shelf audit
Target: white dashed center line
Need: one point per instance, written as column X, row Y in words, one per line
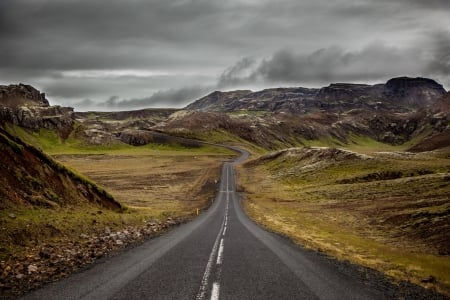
column 217, row 249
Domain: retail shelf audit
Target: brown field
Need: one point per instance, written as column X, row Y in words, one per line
column 390, row 212
column 169, row 184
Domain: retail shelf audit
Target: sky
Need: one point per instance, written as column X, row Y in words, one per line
column 131, row 54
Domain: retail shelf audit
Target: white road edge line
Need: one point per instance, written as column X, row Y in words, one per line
column 215, row 291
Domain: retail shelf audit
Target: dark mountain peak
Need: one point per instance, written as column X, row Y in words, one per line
column 15, row 95
column 404, row 83
column 413, row 92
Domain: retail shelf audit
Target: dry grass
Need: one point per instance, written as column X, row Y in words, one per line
column 174, row 184
column 396, row 225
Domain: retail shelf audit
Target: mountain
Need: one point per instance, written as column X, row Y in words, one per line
column 399, row 111
column 402, row 110
column 401, row 94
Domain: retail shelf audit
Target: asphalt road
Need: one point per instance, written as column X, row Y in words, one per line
column 220, row 255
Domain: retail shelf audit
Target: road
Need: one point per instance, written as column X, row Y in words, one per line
column 220, row 255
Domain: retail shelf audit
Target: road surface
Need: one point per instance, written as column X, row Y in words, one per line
column 220, row 255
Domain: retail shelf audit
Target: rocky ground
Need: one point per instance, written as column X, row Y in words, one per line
column 53, row 261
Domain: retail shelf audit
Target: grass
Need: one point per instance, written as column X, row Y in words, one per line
column 355, row 210
column 32, row 227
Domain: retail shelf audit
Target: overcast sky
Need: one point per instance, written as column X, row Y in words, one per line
column 117, row 54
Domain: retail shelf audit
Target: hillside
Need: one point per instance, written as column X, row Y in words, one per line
column 29, row 178
column 386, row 210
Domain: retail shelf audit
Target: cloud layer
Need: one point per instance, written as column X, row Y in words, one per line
column 155, row 52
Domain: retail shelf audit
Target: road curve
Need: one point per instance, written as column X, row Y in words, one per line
column 220, row 255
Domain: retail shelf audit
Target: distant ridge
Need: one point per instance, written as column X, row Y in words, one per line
column 399, row 93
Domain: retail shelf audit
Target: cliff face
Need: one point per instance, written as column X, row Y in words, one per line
column 16, row 95
column 413, row 92
column 25, row 106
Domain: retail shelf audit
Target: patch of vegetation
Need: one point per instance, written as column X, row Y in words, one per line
column 14, row 146
column 384, row 175
column 51, row 143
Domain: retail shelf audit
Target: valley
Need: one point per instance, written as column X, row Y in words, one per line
column 357, row 173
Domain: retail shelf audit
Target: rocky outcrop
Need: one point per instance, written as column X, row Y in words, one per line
column 144, row 137
column 15, row 95
column 25, row 106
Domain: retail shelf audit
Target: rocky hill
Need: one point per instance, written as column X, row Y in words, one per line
column 24, row 106
column 399, row 111
column 400, row 94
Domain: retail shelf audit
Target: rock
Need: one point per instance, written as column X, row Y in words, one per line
column 20, row 276
column 119, row 242
column 32, row 269
column 107, row 230
column 44, row 254
column 84, row 236
column 12, row 216
column 429, row 279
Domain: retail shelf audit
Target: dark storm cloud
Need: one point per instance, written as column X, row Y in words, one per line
column 96, row 33
column 440, row 62
column 235, row 74
column 374, row 62
column 194, row 41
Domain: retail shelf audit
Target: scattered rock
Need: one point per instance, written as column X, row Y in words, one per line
column 429, row 279
column 32, row 269
column 45, row 254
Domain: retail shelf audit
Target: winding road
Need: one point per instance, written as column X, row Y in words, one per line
column 220, row 255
